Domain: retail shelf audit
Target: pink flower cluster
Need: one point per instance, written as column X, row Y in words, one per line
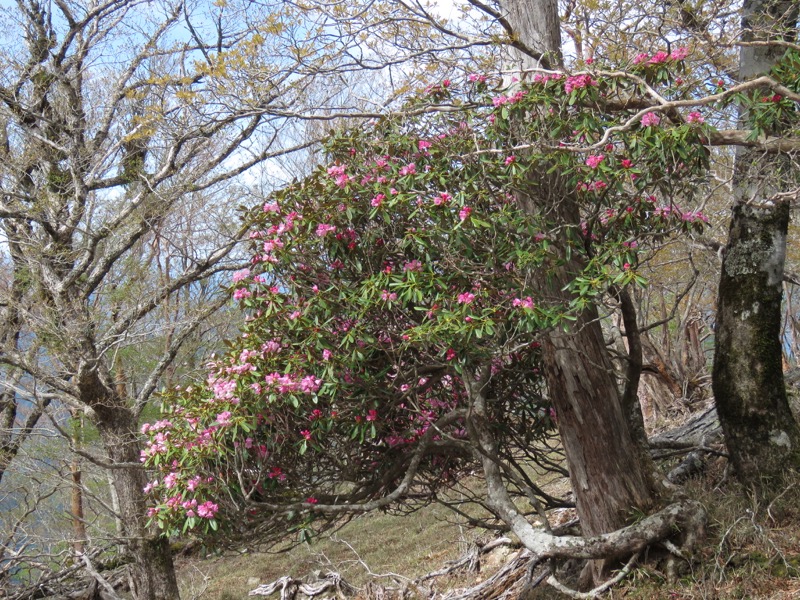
column 650, row 119
column 512, row 99
column 695, row 117
column 594, row 186
column 339, row 175
column 661, row 57
column 526, row 302
column 286, row 384
column 409, row 169
column 413, row 265
column 577, row 82
column 466, row 298
column 207, row 510
column 594, row 160
column 324, row 229
column 545, row 77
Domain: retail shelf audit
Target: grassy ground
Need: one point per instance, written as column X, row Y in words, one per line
column 751, row 551
column 383, row 544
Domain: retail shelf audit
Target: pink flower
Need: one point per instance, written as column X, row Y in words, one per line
column 694, row 117
column 207, row 510
column 311, row 500
column 524, row 302
column 378, row 200
column 650, row 119
column 409, row 169
column 510, row 160
column 576, row 82
column 372, row 415
column 594, row 160
column 327, row 354
column 336, row 170
column 170, row 480
column 679, row 53
column 626, row 163
column 464, row 213
column 271, row 347
column 412, row 265
column 310, row 384
column 476, row 78
column 442, row 198
column 192, row 484
column 466, row 298
column 241, row 293
column 323, row 229
column 387, row 296
column 306, row 434
column 658, row 58
column 450, row 354
column 423, row 145
column 239, row 275
column 270, row 207
column 640, row 58
column 150, row 486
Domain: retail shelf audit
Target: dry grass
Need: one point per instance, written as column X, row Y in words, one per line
column 752, row 551
column 408, row 546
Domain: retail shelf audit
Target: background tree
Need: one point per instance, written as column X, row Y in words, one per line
column 761, row 434
column 128, row 130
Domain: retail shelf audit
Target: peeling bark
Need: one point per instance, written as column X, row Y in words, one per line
column 608, row 473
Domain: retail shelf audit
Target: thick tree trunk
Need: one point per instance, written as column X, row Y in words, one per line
column 605, row 468
column 609, row 474
column 761, row 434
column 762, row 437
column 152, row 570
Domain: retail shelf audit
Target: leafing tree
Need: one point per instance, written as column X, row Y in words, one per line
column 395, row 308
column 761, row 433
column 123, row 124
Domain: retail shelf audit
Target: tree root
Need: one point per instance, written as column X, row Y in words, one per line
column 290, row 587
column 517, row 574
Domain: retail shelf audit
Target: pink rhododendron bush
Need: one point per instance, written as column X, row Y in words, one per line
column 404, row 268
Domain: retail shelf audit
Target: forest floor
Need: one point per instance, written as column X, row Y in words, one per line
column 750, row 551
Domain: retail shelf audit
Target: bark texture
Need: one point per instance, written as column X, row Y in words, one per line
column 152, row 569
column 760, row 431
column 762, row 437
column 608, row 473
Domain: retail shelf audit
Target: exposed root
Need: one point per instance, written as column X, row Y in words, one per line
column 517, row 574
column 600, row 589
column 290, row 587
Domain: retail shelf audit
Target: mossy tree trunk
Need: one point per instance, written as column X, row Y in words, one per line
column 762, row 436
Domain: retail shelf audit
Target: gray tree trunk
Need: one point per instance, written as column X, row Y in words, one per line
column 152, row 569
column 761, row 434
